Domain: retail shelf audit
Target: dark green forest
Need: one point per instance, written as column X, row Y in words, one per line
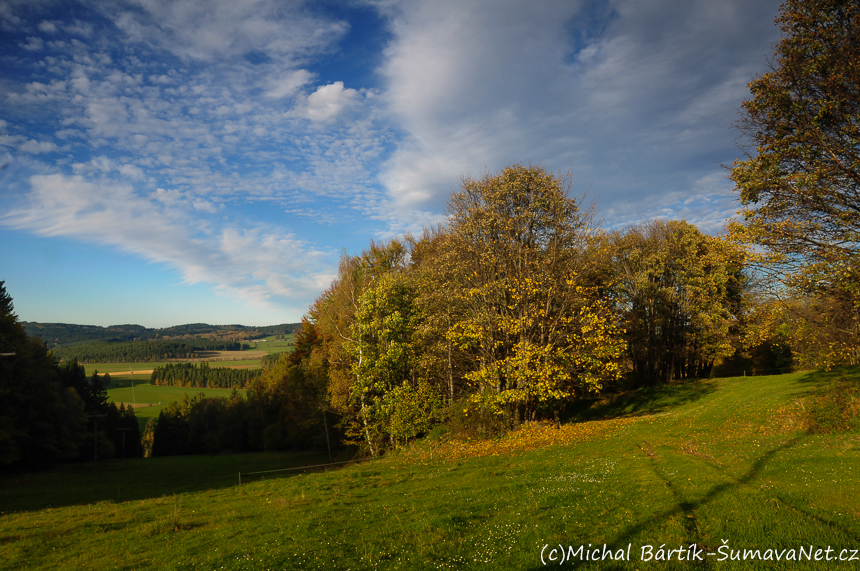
column 53, row 413
column 142, row 351
column 202, row 376
column 281, row 411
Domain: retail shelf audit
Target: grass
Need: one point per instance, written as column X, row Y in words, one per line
column 156, row 397
column 725, row 464
column 274, row 345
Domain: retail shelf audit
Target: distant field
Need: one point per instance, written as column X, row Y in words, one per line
column 126, row 368
column 152, row 399
column 218, row 356
column 272, row 345
column 234, row 359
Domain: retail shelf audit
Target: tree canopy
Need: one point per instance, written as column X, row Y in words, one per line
column 800, row 185
column 680, row 292
column 542, row 333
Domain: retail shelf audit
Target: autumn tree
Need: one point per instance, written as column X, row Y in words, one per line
column 434, row 275
column 680, row 292
column 541, row 333
column 800, row 183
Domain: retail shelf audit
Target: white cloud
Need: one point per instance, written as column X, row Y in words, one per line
column 10, row 140
column 634, row 98
column 132, row 172
column 79, row 28
column 473, row 89
column 47, row 27
column 288, row 85
column 259, row 266
column 33, row 44
column 205, row 206
column 226, row 28
column 328, row 101
column 36, row 147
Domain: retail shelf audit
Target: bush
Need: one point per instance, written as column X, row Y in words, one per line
column 466, row 419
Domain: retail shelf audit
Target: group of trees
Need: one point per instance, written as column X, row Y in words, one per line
column 202, row 376
column 681, row 296
column 513, row 311
column 55, row 334
column 51, row 413
column 142, row 351
column 114, row 429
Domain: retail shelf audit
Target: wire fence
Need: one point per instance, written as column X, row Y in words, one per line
column 315, row 466
column 753, row 372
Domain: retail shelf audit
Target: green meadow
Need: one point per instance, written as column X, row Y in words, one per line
column 150, row 399
column 737, row 471
column 274, row 345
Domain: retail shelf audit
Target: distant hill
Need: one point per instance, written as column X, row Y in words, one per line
column 62, row 334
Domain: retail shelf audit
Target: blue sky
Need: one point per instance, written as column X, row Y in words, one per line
column 176, row 161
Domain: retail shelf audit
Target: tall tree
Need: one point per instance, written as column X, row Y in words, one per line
column 41, row 421
column 7, row 308
column 433, row 273
column 332, row 317
column 394, row 401
column 800, row 187
column 540, row 332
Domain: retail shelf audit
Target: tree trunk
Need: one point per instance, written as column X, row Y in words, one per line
column 366, row 429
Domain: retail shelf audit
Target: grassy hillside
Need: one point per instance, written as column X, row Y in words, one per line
column 726, row 465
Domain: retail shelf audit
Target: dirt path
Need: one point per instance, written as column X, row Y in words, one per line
column 136, row 372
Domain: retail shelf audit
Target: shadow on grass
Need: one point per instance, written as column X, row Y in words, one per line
column 817, row 378
column 646, row 400
column 142, row 478
column 687, row 508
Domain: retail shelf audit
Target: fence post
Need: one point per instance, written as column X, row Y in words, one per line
column 240, row 478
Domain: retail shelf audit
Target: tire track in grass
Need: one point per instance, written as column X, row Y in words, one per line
column 747, row 479
column 689, row 520
column 686, row 507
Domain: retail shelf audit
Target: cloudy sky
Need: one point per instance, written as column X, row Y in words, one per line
column 176, row 161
